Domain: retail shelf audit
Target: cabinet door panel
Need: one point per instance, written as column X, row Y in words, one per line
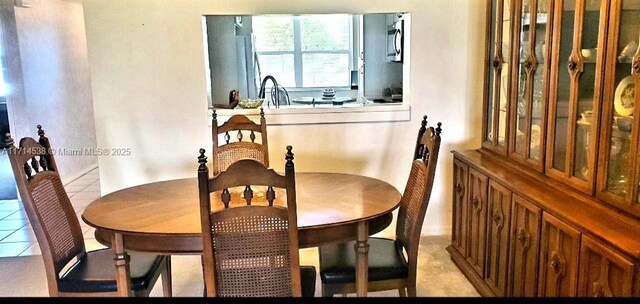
column 497, row 84
column 524, row 247
column 498, row 238
column 618, row 163
column 574, row 94
column 603, row 272
column 459, row 223
column 559, row 249
column 528, row 80
column 477, row 213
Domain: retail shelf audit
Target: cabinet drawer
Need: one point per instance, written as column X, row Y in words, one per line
column 603, row 271
column 559, row 249
column 477, row 220
column 499, row 215
column 459, row 220
column 524, row 247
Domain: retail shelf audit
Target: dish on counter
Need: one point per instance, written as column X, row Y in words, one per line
column 382, row 100
column 250, row 103
column 624, row 101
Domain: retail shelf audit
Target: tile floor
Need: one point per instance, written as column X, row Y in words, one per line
column 16, row 235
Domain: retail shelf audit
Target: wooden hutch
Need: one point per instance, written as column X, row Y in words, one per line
column 550, row 204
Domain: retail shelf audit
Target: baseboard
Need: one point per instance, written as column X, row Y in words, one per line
column 69, row 179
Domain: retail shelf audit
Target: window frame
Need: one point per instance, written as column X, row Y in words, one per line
column 298, row 53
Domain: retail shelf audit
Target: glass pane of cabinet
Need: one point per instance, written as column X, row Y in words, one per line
column 529, row 82
column 562, row 83
column 498, row 85
column 618, row 183
column 574, row 96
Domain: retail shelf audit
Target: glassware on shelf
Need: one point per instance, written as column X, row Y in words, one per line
column 628, row 51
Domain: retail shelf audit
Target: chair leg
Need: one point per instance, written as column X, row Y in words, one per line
column 411, row 290
column 167, row 290
column 204, row 279
column 402, row 292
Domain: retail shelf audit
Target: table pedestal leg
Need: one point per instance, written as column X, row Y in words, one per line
column 123, row 276
column 362, row 259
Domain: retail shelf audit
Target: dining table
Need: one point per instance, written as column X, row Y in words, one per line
column 164, row 217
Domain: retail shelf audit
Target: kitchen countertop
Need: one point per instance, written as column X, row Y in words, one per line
column 383, row 99
column 321, row 100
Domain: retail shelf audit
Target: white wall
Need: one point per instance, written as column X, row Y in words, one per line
column 55, row 80
column 148, row 76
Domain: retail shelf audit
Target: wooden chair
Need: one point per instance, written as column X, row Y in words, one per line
column 227, row 152
column 251, row 250
column 70, row 269
column 389, row 268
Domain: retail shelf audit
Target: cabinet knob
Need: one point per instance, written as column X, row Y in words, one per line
column 459, row 188
column 528, row 64
column 522, row 236
column 475, row 201
column 555, row 263
column 496, row 63
column 497, row 218
column 572, row 65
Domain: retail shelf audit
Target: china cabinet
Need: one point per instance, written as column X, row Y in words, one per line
column 549, row 205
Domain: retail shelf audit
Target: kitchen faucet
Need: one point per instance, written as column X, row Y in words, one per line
column 261, row 93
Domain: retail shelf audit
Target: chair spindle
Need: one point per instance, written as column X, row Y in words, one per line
column 248, row 194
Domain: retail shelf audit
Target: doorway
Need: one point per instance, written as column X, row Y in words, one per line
column 8, row 189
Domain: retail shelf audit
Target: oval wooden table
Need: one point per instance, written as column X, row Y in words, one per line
column 163, row 217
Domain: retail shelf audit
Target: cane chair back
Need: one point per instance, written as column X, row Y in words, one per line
column 70, row 269
column 250, row 243
column 237, row 139
column 389, row 268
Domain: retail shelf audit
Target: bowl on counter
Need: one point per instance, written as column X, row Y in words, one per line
column 251, row 103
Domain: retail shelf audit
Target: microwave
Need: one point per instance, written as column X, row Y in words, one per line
column 395, row 41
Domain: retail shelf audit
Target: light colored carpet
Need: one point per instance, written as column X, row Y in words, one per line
column 437, row 275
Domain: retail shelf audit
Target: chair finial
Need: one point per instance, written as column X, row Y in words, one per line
column 261, row 112
column 202, row 160
column 439, row 129
column 40, row 131
column 423, row 125
column 214, row 115
column 289, row 157
column 8, row 140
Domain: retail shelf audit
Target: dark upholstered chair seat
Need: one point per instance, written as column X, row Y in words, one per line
column 96, row 272
column 386, row 261
column 308, row 278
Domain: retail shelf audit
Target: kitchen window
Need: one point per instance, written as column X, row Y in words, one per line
column 319, row 49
